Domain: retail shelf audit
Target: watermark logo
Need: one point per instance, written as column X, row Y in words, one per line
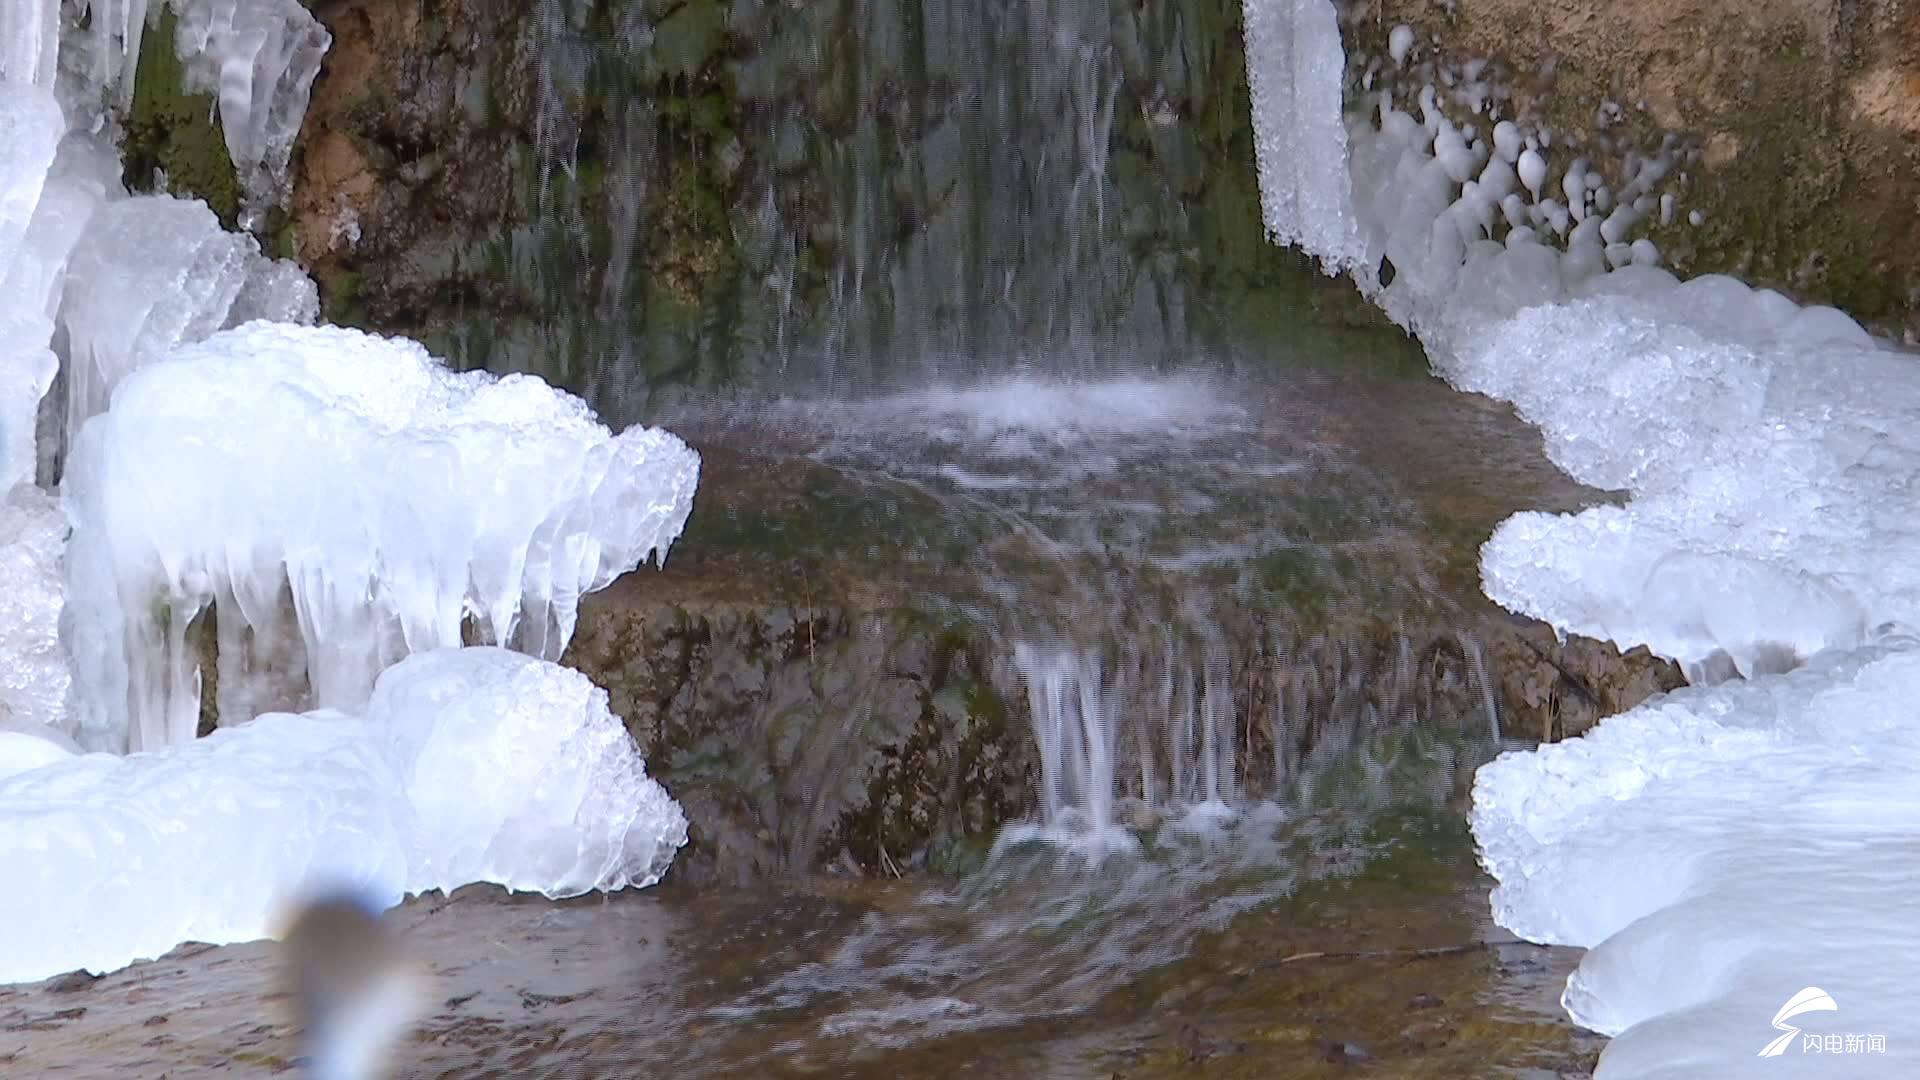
column 1814, row 999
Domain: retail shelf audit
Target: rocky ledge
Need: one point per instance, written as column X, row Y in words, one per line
column 818, row 702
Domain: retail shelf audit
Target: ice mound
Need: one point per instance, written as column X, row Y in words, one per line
column 1732, row 845
column 26, row 745
column 1719, row 851
column 343, row 500
column 1769, row 497
column 584, row 814
column 470, row 765
column 1723, row 849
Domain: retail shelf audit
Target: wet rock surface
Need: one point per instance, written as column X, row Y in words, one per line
column 406, row 158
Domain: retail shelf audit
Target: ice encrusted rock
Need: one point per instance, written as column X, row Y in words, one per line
column 1769, row 499
column 344, row 500
column 1725, row 847
column 154, row 272
column 1719, row 850
column 470, row 765
column 584, row 815
column 258, row 58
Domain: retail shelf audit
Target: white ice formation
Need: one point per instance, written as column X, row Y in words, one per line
column 470, row 765
column 30, row 42
column 356, row 511
column 388, row 498
column 153, row 272
column 30, row 130
column 1722, row 848
column 1303, row 177
column 258, row 58
column 35, row 678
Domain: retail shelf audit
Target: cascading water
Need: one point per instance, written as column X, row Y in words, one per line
column 1021, row 185
column 1180, row 735
column 860, row 193
column 1070, row 719
column 1172, row 558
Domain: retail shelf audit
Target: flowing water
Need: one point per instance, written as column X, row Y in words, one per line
column 1161, row 559
column 855, row 193
column 1394, row 966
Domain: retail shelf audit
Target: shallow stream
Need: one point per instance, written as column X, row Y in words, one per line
column 1389, row 961
column 1208, row 901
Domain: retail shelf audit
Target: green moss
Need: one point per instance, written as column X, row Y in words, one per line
column 282, row 240
column 954, row 856
column 1408, row 852
column 1293, row 576
column 827, row 515
column 685, row 41
column 1458, row 543
column 172, row 130
column 343, row 305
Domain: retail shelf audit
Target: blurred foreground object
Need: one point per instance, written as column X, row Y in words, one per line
column 355, row 993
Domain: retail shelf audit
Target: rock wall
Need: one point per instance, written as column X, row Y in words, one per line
column 630, row 194
column 1803, row 118
column 626, row 195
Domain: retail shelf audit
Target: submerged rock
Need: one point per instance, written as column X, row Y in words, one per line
column 794, row 734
